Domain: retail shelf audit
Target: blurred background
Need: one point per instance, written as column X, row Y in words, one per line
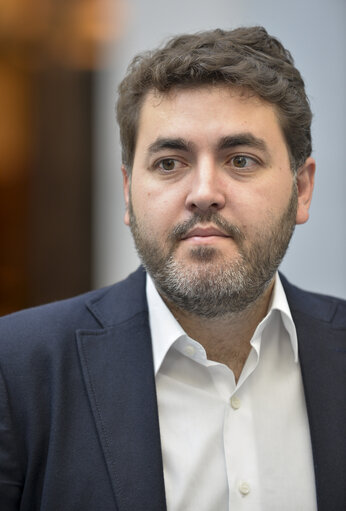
column 61, row 205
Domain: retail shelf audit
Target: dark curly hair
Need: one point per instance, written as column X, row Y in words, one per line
column 245, row 57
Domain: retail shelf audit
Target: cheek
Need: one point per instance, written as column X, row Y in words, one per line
column 151, row 211
column 247, row 204
column 256, row 207
column 274, row 193
column 157, row 202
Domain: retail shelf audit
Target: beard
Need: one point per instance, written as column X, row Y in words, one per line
column 208, row 284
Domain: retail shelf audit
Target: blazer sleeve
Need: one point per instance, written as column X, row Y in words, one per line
column 10, row 476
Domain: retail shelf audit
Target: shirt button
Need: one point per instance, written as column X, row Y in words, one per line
column 189, row 350
column 235, row 402
column 244, row 488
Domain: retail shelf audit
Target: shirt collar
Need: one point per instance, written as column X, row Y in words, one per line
column 279, row 303
column 165, row 329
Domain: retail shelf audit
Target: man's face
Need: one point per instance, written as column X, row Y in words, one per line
column 212, row 201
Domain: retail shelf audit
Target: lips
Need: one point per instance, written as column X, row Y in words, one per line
column 200, row 232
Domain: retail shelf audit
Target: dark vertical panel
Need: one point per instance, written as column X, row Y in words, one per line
column 60, row 246
column 16, row 150
column 13, row 245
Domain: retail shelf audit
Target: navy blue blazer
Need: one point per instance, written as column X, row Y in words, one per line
column 78, row 413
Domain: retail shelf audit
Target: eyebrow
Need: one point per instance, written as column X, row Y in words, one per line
column 239, row 139
column 170, row 143
column 227, row 142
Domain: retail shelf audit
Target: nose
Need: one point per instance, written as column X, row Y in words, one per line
column 206, row 191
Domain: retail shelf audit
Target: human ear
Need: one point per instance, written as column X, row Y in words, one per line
column 126, row 191
column 305, row 185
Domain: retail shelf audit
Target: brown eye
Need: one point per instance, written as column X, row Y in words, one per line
column 168, row 164
column 240, row 161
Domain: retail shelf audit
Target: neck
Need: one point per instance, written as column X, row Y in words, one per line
column 226, row 338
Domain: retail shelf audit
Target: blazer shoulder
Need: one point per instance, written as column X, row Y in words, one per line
column 330, row 309
column 54, row 323
column 46, row 324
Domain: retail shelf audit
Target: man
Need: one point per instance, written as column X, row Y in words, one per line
column 206, row 381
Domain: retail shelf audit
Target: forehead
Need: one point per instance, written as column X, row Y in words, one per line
column 210, row 111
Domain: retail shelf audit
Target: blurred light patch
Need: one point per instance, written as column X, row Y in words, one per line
column 65, row 32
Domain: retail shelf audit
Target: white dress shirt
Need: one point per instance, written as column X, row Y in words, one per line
column 229, row 446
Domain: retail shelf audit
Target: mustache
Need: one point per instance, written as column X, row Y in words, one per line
column 231, row 230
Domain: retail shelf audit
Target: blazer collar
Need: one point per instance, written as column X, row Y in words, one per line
column 117, row 367
column 120, row 302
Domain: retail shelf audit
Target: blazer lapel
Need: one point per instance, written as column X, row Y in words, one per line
column 322, row 353
column 118, row 372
